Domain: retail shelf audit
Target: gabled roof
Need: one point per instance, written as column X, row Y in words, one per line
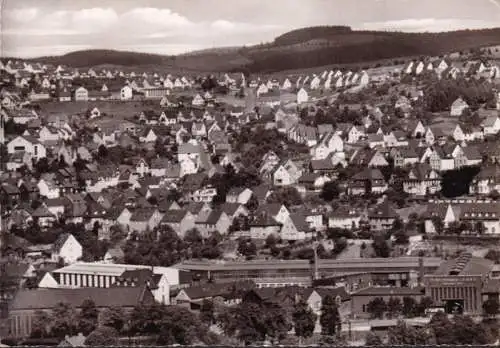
column 383, row 211
column 174, row 216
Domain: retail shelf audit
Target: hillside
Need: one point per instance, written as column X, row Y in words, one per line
column 297, row 49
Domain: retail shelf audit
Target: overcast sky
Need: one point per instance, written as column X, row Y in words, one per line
column 33, row 28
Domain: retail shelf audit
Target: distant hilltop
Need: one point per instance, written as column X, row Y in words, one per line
column 298, row 49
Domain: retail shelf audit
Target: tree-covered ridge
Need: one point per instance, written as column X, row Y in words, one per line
column 297, row 49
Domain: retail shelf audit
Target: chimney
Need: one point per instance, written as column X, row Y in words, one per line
column 420, row 270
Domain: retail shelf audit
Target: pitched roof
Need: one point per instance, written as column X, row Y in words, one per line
column 102, row 297
column 174, row 216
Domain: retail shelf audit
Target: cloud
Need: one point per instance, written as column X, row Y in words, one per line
column 155, row 17
column 428, row 24
column 93, row 19
column 495, row 3
column 22, row 15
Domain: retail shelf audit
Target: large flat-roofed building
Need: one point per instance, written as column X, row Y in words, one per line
column 457, row 285
column 385, row 271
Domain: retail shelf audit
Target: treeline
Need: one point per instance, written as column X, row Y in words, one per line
column 388, row 46
column 439, row 95
column 88, row 58
column 306, row 34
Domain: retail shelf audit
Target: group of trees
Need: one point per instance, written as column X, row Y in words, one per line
column 166, row 324
column 461, row 330
column 93, row 248
column 258, row 320
column 440, row 94
column 163, row 247
column 394, row 307
column 100, row 328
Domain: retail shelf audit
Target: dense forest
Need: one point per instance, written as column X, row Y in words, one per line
column 297, row 49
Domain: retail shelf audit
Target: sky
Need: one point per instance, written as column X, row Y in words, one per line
column 33, row 28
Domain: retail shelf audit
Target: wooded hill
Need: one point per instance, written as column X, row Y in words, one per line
column 297, row 49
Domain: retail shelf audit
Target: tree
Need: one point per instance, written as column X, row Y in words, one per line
column 394, row 306
column 288, row 196
column 63, row 321
column 330, row 191
column 381, row 246
column 409, row 308
column 254, row 321
column 101, row 337
column 403, row 334
column 247, row 247
column 193, row 236
column 40, row 327
column 330, row 316
column 180, row 326
column 491, row 307
column 424, row 304
column 304, row 320
column 113, row 317
column 377, row 307
column 207, row 311
column 372, row 339
column 87, row 318
column 442, row 328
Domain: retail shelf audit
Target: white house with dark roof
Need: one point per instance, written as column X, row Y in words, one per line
column 67, row 248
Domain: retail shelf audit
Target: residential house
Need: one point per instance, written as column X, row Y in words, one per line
column 215, row 220
column 458, row 107
column 344, row 218
column 81, row 94
column 404, row 156
column 263, row 225
column 302, row 96
column 296, row 228
column 277, row 211
column 369, row 181
column 382, row 218
column 144, row 219
column 329, row 143
column 179, row 220
column 422, row 180
column 27, row 144
column 67, row 248
column 487, row 180
column 368, row 158
column 474, row 213
column 239, row 195
column 491, row 125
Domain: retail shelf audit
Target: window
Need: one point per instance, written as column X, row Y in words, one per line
column 364, row 308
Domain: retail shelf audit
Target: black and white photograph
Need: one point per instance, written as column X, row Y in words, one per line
column 249, row 173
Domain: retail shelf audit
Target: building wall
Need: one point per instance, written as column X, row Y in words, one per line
column 466, row 288
column 359, row 303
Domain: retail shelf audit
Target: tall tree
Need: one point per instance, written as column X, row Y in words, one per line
column 330, row 317
column 491, row 307
column 87, row 318
column 113, row 317
column 304, row 320
column 64, row 321
column 394, row 306
column 207, row 311
column 442, row 328
column 40, row 327
column 377, row 307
